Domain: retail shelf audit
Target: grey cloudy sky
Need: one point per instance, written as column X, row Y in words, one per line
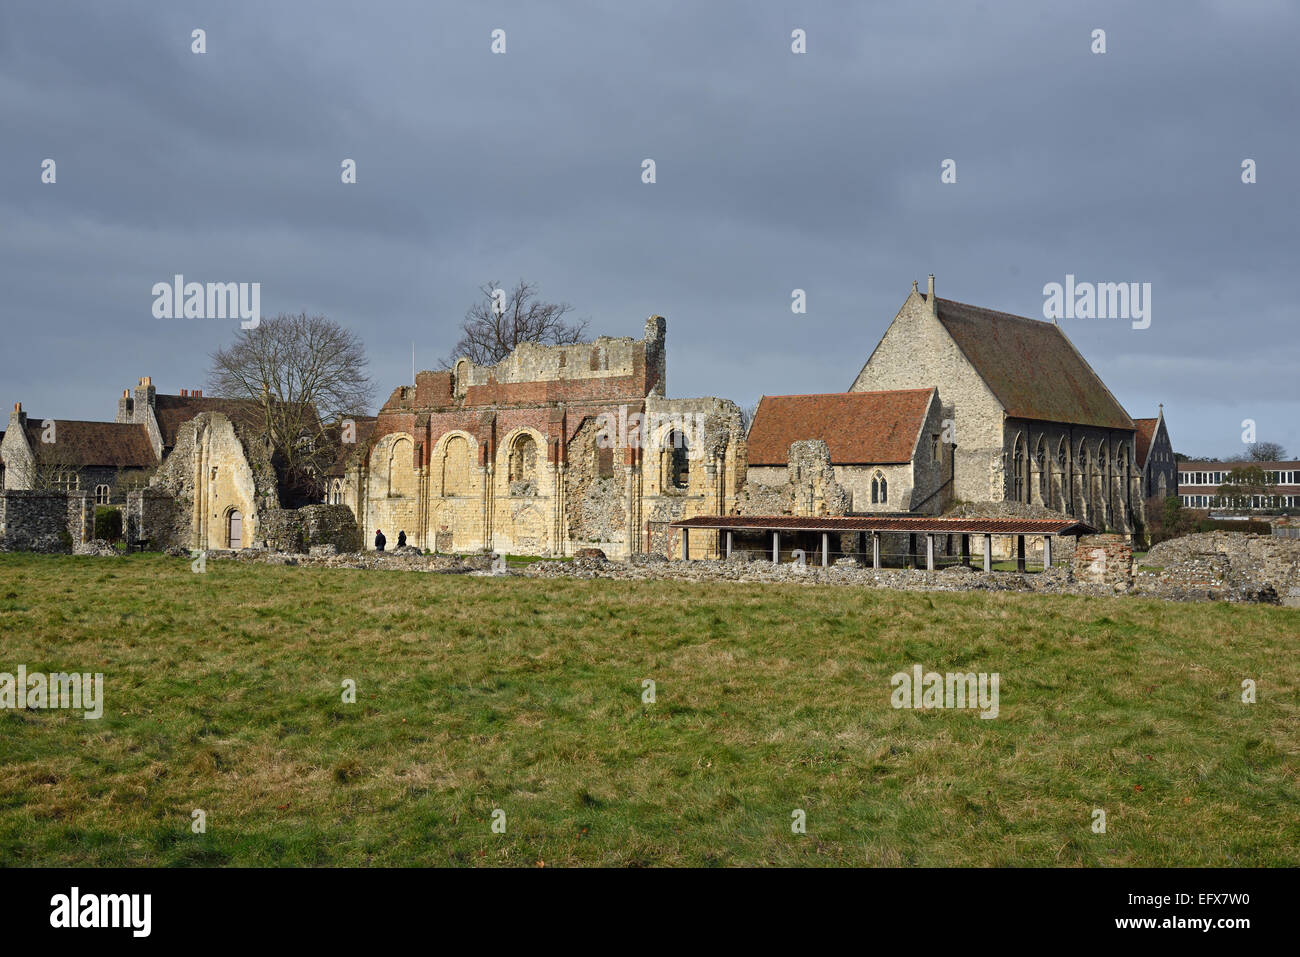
column 775, row 171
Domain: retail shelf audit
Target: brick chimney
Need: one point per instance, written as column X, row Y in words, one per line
column 184, row 393
column 196, row 393
column 18, row 418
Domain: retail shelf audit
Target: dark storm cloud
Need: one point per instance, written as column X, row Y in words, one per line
column 775, row 171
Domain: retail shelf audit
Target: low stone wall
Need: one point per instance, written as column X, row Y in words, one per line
column 32, row 521
column 1227, row 565
column 1103, row 560
column 151, row 518
column 299, row 529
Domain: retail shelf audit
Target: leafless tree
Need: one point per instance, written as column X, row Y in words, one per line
column 747, row 413
column 502, row 319
column 300, row 373
column 1266, row 452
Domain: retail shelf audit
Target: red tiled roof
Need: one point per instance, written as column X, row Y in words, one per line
column 859, row 428
column 173, row 411
column 906, row 523
column 1031, row 367
column 1146, row 434
column 92, row 444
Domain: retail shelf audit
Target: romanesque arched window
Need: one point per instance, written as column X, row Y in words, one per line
column 102, row 494
column 456, row 476
column 522, row 460
column 879, row 489
column 679, row 459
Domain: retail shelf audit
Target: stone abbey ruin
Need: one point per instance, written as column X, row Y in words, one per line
column 968, row 432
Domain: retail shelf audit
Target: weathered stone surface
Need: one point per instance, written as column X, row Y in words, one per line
column 1231, row 566
column 1103, row 560
column 36, row 521
column 297, row 530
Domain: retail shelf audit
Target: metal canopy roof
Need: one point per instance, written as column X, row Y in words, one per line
column 923, row 524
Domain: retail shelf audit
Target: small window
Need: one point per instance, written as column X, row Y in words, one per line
column 879, row 489
column 101, row 494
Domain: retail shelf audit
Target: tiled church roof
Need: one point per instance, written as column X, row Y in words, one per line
column 173, row 411
column 1146, row 434
column 859, row 428
column 92, row 444
column 1031, row 367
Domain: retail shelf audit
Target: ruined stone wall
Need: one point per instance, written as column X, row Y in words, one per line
column 1103, row 560
column 213, row 470
column 150, row 516
column 299, row 529
column 34, row 521
column 1229, row 565
column 716, row 469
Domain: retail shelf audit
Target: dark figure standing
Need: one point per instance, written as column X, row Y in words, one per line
column 401, row 539
column 380, row 541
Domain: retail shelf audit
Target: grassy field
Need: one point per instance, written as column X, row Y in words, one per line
column 224, row 693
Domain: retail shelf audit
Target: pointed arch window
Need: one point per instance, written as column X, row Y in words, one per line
column 879, row 489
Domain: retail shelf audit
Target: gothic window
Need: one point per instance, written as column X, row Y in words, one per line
column 1018, row 463
column 1040, row 462
column 101, row 494
column 879, row 489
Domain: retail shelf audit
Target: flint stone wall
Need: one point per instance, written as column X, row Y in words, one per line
column 38, row 521
column 301, row 529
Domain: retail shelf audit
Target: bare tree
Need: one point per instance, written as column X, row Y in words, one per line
column 501, row 320
column 1266, row 452
column 747, row 413
column 300, row 372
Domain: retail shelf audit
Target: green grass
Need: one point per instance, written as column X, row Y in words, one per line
column 223, row 693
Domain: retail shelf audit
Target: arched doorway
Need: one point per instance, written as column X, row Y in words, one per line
column 234, row 529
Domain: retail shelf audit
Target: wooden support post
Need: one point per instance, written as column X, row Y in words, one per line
column 875, row 549
column 965, row 549
column 988, row 553
column 826, row 549
column 776, row 548
column 686, row 544
column 1020, row 553
column 1047, row 552
column 929, row 551
column 729, row 533
column 911, row 549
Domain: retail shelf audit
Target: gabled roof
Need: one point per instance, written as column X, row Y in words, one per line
column 859, row 428
column 1031, row 367
column 1146, row 434
column 92, row 444
column 173, row 411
